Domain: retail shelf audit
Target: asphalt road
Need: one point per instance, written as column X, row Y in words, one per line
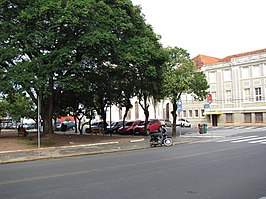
column 218, row 169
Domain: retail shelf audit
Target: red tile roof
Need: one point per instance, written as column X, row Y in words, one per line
column 201, row 60
column 228, row 58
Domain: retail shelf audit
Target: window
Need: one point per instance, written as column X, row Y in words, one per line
column 136, row 110
column 245, row 72
column 213, row 96
column 228, row 96
column 258, row 96
column 189, row 97
column 256, row 71
column 202, row 112
column 247, row 95
column 167, row 116
column 128, row 115
column 227, row 75
column 190, row 113
column 184, row 113
column 120, row 114
column 212, row 77
column 196, row 113
column 247, row 118
column 258, row 117
column 229, row 117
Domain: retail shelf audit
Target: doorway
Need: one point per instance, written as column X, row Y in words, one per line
column 214, row 120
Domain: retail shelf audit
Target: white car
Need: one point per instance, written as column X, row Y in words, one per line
column 183, row 123
column 165, row 123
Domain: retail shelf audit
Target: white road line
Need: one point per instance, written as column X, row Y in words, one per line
column 249, row 139
column 237, row 138
column 258, row 141
column 252, row 127
column 238, row 127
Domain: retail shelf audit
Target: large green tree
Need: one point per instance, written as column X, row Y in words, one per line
column 181, row 77
column 48, row 46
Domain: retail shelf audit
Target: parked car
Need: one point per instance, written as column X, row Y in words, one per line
column 29, row 126
column 95, row 125
column 57, row 125
column 114, row 127
column 70, row 125
column 154, row 125
column 165, row 123
column 66, row 126
column 183, row 123
column 129, row 127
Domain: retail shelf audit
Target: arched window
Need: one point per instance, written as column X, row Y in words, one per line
column 167, row 112
column 128, row 115
column 120, row 114
column 136, row 110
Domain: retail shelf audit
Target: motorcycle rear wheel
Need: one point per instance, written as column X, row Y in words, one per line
column 168, row 142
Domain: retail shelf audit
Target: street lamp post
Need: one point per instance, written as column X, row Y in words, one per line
column 39, row 123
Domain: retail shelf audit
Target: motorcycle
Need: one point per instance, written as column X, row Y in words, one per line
column 161, row 138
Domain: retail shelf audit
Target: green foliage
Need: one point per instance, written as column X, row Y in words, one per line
column 181, row 77
column 17, row 106
column 98, row 51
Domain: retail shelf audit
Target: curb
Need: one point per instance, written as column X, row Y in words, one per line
column 76, row 150
column 68, row 151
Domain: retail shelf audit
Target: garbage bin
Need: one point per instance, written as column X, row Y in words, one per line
column 200, row 128
column 205, row 128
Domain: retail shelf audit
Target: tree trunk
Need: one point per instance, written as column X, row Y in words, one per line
column 47, row 108
column 128, row 106
column 104, row 116
column 125, row 115
column 174, row 118
column 145, row 108
column 47, row 118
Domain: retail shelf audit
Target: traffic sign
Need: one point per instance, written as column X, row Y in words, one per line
column 209, row 98
column 179, row 106
column 207, row 106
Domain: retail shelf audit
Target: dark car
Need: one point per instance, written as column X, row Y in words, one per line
column 114, row 127
column 154, row 125
column 129, row 127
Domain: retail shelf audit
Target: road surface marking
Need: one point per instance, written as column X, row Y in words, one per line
column 249, row 139
column 237, row 138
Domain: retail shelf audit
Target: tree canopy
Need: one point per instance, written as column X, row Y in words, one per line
column 182, row 77
column 94, row 48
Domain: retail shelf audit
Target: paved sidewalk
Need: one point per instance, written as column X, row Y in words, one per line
column 86, row 149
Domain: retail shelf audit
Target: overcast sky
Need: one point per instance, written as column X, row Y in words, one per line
column 215, row 28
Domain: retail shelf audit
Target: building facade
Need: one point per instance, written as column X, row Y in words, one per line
column 238, row 94
column 238, row 88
